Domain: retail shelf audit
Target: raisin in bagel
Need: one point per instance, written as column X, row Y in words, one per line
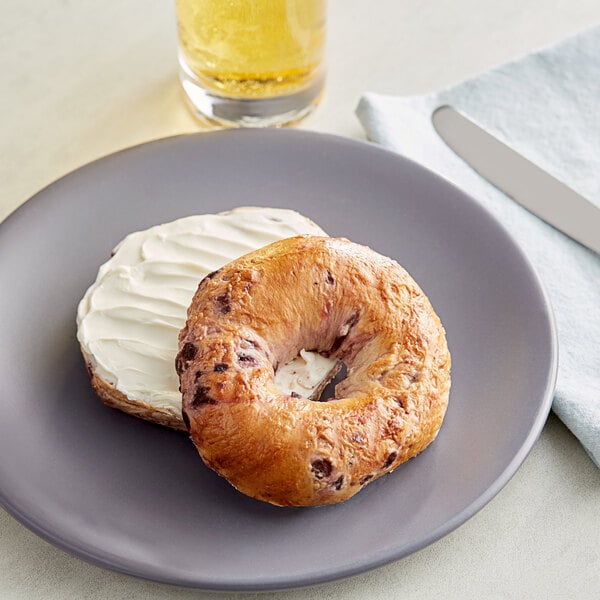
column 339, row 299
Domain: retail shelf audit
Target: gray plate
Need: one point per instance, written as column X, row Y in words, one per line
column 135, row 497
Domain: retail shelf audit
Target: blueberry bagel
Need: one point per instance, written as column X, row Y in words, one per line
column 341, row 300
column 129, row 319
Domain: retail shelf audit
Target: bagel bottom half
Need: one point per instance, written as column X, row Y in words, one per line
column 339, row 299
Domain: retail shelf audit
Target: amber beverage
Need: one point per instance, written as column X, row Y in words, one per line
column 251, row 62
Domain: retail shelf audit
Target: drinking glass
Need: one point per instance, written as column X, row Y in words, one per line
column 254, row 63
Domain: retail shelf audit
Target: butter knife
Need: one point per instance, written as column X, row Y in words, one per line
column 532, row 187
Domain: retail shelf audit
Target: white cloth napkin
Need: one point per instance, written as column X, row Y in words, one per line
column 546, row 106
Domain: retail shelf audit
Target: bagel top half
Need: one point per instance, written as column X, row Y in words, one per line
column 339, row 299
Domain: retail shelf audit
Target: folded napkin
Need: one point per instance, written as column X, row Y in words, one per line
column 547, row 107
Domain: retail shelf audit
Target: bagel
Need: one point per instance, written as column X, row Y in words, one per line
column 129, row 319
column 341, row 300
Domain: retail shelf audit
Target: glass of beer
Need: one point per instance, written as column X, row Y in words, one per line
column 252, row 63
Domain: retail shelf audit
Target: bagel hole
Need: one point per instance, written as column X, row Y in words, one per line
column 310, row 376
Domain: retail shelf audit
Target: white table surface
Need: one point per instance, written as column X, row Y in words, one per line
column 81, row 79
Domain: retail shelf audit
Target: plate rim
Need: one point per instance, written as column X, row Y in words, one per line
column 101, row 559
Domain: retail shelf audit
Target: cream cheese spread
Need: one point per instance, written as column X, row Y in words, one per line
column 304, row 374
column 129, row 320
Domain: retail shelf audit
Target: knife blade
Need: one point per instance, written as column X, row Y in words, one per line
column 526, row 183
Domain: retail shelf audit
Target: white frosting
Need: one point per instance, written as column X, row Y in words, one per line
column 129, row 319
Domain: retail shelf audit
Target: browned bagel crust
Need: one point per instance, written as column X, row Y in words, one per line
column 112, row 397
column 335, row 297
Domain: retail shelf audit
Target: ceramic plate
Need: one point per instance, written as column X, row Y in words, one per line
column 135, row 497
